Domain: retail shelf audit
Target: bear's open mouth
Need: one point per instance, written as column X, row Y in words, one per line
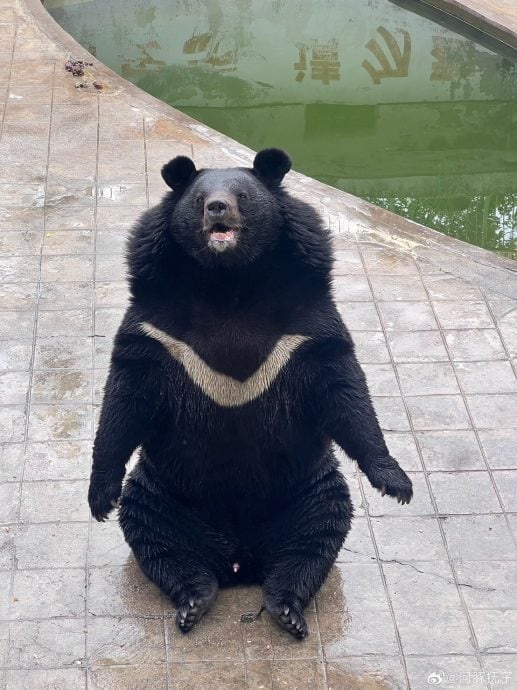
column 221, row 235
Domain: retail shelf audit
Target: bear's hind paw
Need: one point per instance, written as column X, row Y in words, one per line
column 289, row 619
column 191, row 609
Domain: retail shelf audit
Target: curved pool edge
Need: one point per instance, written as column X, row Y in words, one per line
column 345, row 213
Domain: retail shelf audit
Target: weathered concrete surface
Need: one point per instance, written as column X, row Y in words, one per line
column 424, row 589
column 498, row 18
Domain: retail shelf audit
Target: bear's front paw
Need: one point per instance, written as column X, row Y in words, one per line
column 388, row 477
column 103, row 495
column 288, row 616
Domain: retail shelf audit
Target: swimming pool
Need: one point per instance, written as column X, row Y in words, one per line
column 365, row 95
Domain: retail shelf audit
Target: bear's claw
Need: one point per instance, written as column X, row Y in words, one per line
column 290, row 619
column 388, row 477
column 192, row 607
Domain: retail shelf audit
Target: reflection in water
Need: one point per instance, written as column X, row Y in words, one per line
column 366, row 96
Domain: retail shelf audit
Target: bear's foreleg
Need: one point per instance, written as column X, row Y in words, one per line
column 132, row 398
column 303, row 544
column 348, row 417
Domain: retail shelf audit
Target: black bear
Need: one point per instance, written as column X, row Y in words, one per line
column 233, row 372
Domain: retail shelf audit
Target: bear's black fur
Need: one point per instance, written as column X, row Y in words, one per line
column 234, row 372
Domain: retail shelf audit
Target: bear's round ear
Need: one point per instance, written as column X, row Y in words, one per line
column 270, row 166
column 179, row 172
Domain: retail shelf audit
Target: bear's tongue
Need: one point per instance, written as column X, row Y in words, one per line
column 223, row 236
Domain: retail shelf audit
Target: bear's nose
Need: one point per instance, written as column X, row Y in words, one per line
column 217, row 208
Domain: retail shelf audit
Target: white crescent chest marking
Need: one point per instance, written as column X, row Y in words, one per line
column 222, row 389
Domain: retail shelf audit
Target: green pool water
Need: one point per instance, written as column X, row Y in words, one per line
column 365, row 95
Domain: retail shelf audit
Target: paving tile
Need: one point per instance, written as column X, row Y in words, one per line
column 16, row 324
column 434, row 630
column 47, row 643
column 111, row 241
column 500, row 446
column 67, row 268
column 426, row 378
column 53, row 422
column 391, row 413
column 478, row 538
column 138, row 677
column 7, row 533
column 493, row 411
column 12, row 423
column 64, row 352
column 384, row 261
column 381, row 379
column 351, row 288
column 412, row 584
column 57, row 460
column 368, row 632
column 123, row 590
column 46, row 501
column 464, row 492
column 508, row 327
column 370, row 347
column 360, row 316
column 417, row 346
column 499, row 669
column 496, row 630
column 486, row 377
column 507, row 485
column 402, row 447
column 454, row 672
column 358, row 546
column 54, row 593
column 433, row 412
column 362, row 673
column 107, row 546
column 107, row 321
column 407, row 316
column 51, row 545
column 65, row 295
column 11, row 461
column 68, row 242
column 69, row 218
column 347, row 262
column 353, row 586
column 448, row 287
column 488, row 584
column 15, row 355
column 110, row 267
column 112, row 294
column 386, row 505
column 5, row 584
column 117, row 641
column 215, row 639
column 22, row 296
column 408, row 538
column 14, row 387
column 125, row 193
column 119, row 219
column 64, row 323
column 21, row 243
column 9, row 499
column 474, row 345
column 263, row 639
column 398, row 287
column 69, row 678
column 463, row 314
column 450, row 450
column 62, row 386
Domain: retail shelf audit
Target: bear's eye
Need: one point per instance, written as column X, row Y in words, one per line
column 199, row 200
column 243, row 195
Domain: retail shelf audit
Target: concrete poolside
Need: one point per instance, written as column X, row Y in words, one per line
column 423, row 589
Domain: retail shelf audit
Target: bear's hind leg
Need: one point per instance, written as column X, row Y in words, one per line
column 181, row 554
column 303, row 545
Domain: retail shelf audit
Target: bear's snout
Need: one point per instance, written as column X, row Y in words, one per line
column 217, row 208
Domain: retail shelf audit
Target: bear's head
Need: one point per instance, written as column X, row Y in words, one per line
column 227, row 216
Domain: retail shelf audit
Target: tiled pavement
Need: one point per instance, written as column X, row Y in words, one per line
column 423, row 589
